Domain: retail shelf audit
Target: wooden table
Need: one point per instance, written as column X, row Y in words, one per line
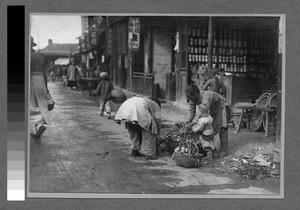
column 246, row 107
column 87, row 83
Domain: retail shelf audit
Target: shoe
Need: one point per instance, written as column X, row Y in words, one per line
column 39, row 132
column 222, row 154
column 150, row 158
column 135, row 153
column 101, row 114
column 215, row 154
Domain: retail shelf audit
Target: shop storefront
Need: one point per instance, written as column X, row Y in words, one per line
column 245, row 47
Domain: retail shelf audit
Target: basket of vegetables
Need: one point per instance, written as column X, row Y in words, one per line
column 187, row 155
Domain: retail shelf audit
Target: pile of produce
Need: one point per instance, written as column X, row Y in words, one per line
column 180, row 133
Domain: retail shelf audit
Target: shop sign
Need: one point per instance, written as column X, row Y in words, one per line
column 134, row 34
column 93, row 38
column 109, row 41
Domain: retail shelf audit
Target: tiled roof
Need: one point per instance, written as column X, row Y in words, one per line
column 59, row 49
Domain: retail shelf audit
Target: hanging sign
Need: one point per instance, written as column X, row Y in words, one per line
column 134, row 34
column 109, row 41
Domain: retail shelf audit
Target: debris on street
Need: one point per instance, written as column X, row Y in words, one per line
column 259, row 166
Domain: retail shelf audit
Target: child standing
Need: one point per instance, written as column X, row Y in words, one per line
column 204, row 125
column 103, row 89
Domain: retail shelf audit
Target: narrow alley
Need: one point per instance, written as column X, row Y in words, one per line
column 83, row 152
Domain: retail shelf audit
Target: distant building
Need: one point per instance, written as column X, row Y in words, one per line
column 54, row 51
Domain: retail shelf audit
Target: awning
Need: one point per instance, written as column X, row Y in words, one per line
column 62, row 61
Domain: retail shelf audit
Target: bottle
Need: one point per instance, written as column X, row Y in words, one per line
column 192, row 50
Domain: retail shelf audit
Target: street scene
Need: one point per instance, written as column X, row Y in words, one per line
column 155, row 105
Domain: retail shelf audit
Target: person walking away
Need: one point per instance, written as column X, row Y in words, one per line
column 204, row 126
column 103, row 89
column 39, row 114
column 219, row 109
column 72, row 76
column 142, row 118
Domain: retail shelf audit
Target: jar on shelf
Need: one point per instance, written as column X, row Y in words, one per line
column 239, row 44
column 192, row 50
column 221, row 42
column 196, row 50
column 225, row 42
column 215, row 42
column 199, row 41
column 195, row 42
column 190, row 58
column 198, row 32
column 191, row 41
column 234, row 43
column 214, row 50
column 229, row 43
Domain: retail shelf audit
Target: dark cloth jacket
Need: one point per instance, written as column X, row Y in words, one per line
column 37, row 63
column 104, row 88
column 37, row 66
column 219, row 109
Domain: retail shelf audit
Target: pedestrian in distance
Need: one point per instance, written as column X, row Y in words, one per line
column 143, row 121
column 219, row 109
column 72, row 73
column 104, row 89
column 39, row 114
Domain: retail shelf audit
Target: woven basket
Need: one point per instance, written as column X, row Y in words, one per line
column 189, row 160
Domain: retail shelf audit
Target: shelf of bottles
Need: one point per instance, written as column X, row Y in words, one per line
column 198, row 46
column 243, row 53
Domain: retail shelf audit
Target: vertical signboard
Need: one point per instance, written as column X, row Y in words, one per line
column 134, row 34
column 109, row 41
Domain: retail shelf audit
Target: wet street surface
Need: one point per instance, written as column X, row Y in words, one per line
column 82, row 152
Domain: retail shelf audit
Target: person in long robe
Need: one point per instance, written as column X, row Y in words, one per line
column 39, row 114
column 143, row 121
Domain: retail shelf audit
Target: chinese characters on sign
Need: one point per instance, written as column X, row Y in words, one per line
column 93, row 38
column 109, row 41
column 134, row 34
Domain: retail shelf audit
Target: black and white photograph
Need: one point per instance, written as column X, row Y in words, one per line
column 156, row 105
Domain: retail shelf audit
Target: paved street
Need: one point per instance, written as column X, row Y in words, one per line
column 83, row 152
